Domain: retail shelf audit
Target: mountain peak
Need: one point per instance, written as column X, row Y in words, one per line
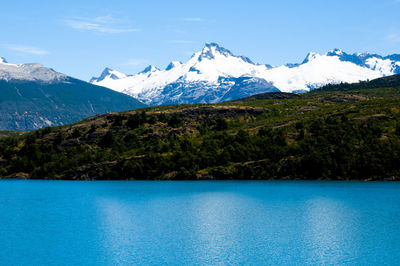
column 211, row 49
column 173, row 64
column 336, row 51
column 214, row 74
column 112, row 74
column 29, row 72
column 3, row 60
column 310, row 56
column 149, row 69
column 108, row 72
column 211, row 44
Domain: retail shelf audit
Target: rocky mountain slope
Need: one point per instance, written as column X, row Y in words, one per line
column 215, row 74
column 33, row 96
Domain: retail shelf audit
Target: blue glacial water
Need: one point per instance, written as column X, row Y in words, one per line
column 199, row 223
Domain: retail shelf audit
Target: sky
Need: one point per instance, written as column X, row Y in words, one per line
column 81, row 38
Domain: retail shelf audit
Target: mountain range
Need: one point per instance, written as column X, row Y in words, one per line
column 33, row 96
column 215, row 74
column 338, row 132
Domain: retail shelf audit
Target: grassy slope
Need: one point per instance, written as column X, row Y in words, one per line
column 338, row 132
column 10, row 133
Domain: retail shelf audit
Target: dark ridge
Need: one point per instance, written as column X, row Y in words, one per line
column 272, row 96
column 385, row 82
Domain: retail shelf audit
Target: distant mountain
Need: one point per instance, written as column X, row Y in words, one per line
column 33, row 96
column 108, row 73
column 215, row 74
column 341, row 132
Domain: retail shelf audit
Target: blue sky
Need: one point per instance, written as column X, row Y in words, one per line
column 80, row 38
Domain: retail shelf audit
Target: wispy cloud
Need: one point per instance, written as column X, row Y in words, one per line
column 193, row 19
column 27, row 49
column 179, row 41
column 178, row 31
column 393, row 37
column 102, row 24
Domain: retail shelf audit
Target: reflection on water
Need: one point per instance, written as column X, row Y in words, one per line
column 199, row 223
column 328, row 231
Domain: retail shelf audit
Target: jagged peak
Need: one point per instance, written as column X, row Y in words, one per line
column 213, row 44
column 335, row 52
column 108, row 72
column 211, row 49
column 149, row 69
column 112, row 73
column 310, row 56
column 173, row 64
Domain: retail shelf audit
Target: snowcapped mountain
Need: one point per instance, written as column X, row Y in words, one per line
column 215, row 74
column 28, row 72
column 208, row 76
column 108, row 73
column 33, row 96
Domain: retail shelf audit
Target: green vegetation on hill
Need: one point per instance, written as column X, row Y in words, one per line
column 9, row 133
column 337, row 132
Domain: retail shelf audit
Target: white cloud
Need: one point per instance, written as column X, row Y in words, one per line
column 102, row 24
column 394, row 37
column 193, row 19
column 27, row 49
column 108, row 19
column 178, row 31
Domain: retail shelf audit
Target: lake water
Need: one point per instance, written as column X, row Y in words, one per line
column 199, row 223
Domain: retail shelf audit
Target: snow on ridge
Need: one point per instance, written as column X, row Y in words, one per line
column 310, row 57
column 108, row 73
column 173, row 64
column 202, row 73
column 316, row 73
column 29, row 72
column 385, row 66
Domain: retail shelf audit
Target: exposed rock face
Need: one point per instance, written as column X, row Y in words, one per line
column 215, row 74
column 29, row 72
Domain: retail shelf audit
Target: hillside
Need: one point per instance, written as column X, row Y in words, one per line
column 33, row 96
column 337, row 132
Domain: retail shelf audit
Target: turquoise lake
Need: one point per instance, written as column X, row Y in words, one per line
column 199, row 223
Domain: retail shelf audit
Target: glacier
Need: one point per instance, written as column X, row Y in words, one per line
column 215, row 74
